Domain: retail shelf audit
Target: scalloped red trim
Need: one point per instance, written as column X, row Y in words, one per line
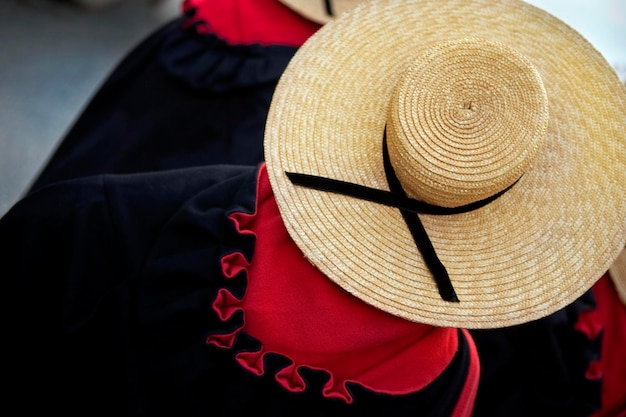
column 386, row 355
column 244, row 22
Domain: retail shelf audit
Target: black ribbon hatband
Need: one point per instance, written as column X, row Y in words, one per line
column 409, row 208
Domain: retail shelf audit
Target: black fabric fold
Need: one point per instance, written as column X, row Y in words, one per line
column 110, row 281
column 539, row 368
column 178, row 99
column 206, row 62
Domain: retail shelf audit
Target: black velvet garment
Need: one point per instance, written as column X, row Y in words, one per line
column 539, row 368
column 109, row 282
column 179, row 99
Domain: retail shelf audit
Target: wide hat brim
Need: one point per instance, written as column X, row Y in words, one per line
column 617, row 272
column 521, row 257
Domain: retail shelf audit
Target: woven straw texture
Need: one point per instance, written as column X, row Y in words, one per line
column 521, row 257
column 465, row 121
column 316, row 11
column 617, row 272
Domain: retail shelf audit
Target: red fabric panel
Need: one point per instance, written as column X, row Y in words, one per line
column 294, row 310
column 252, row 21
column 465, row 405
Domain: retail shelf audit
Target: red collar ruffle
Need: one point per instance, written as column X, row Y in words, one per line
column 608, row 322
column 266, row 22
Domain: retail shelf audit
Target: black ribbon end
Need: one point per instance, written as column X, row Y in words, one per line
column 452, row 298
column 444, row 285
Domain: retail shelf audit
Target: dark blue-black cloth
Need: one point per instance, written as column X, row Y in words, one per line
column 539, row 368
column 179, row 99
column 109, row 282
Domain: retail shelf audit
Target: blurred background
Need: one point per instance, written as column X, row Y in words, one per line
column 54, row 55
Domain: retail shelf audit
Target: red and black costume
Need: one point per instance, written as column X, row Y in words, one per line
column 193, row 94
column 180, row 293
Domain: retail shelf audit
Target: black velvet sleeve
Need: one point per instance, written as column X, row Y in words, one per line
column 72, row 256
column 109, row 284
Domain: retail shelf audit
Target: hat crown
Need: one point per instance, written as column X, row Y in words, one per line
column 465, row 121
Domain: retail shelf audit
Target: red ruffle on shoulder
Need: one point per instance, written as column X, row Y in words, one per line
column 238, row 22
column 293, row 310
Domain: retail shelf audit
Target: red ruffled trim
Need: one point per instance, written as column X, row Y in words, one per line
column 244, row 22
column 294, row 311
column 608, row 321
column 591, row 324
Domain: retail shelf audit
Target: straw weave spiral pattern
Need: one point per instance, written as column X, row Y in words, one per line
column 466, row 120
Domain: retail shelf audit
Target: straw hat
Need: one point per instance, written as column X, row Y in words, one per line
column 320, row 11
column 502, row 124
column 617, row 272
